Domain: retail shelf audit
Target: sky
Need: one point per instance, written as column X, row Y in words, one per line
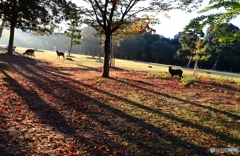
column 177, row 21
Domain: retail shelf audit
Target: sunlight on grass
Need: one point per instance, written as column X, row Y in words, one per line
column 160, row 70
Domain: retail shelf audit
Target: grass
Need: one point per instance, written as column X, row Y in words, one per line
column 59, row 107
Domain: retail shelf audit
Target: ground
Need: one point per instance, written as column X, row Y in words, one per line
column 52, row 108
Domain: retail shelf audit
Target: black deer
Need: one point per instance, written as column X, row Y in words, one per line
column 173, row 72
column 60, row 54
column 29, row 52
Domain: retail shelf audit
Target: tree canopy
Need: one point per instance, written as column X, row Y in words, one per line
column 32, row 15
column 224, row 12
column 112, row 15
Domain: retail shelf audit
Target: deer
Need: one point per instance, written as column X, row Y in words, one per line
column 29, row 52
column 60, row 54
column 173, row 72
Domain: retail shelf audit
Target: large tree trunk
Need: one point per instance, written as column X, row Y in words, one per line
column 12, row 27
column 189, row 62
column 107, row 52
column 216, row 62
column 11, row 39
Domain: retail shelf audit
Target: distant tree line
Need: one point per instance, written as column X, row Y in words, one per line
column 223, row 56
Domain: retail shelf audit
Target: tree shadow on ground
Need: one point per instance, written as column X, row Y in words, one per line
column 88, row 68
column 234, row 116
column 42, row 109
column 45, row 113
column 96, row 125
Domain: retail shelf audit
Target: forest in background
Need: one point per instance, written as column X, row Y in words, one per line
column 148, row 48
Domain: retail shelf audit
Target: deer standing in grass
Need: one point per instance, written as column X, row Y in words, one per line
column 173, row 72
column 29, row 52
column 60, row 54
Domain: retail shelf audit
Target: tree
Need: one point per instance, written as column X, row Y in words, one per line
column 74, row 33
column 150, row 38
column 193, row 47
column 34, row 15
column 132, row 46
column 231, row 10
column 112, row 15
column 162, row 50
column 90, row 42
column 220, row 49
column 1, row 27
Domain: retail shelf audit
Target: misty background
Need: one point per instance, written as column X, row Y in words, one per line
column 90, row 43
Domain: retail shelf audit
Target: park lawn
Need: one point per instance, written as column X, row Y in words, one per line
column 60, row 107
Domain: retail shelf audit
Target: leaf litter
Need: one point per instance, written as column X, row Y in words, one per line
column 46, row 110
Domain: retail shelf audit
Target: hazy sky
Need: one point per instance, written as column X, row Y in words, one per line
column 177, row 21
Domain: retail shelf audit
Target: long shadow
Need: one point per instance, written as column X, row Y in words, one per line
column 134, row 119
column 235, row 117
column 185, row 122
column 89, row 68
column 135, row 122
column 67, row 88
column 53, row 71
column 5, row 139
column 219, row 86
column 205, row 129
column 43, row 110
column 94, row 114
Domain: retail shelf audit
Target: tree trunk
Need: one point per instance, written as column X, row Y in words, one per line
column 196, row 64
column 1, row 27
column 216, row 62
column 107, row 52
column 189, row 62
column 12, row 28
column 11, row 39
column 195, row 71
column 70, row 48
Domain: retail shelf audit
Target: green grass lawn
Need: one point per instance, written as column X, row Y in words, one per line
column 51, row 106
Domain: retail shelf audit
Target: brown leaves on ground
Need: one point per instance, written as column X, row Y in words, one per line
column 46, row 110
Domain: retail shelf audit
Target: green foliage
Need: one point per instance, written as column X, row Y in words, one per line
column 188, row 80
column 231, row 10
column 132, row 46
column 110, row 16
column 163, row 75
column 74, row 33
column 193, row 47
column 224, row 81
column 39, row 16
column 162, row 50
column 34, row 15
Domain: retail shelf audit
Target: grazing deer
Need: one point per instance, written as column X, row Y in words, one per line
column 60, row 54
column 173, row 72
column 29, row 52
